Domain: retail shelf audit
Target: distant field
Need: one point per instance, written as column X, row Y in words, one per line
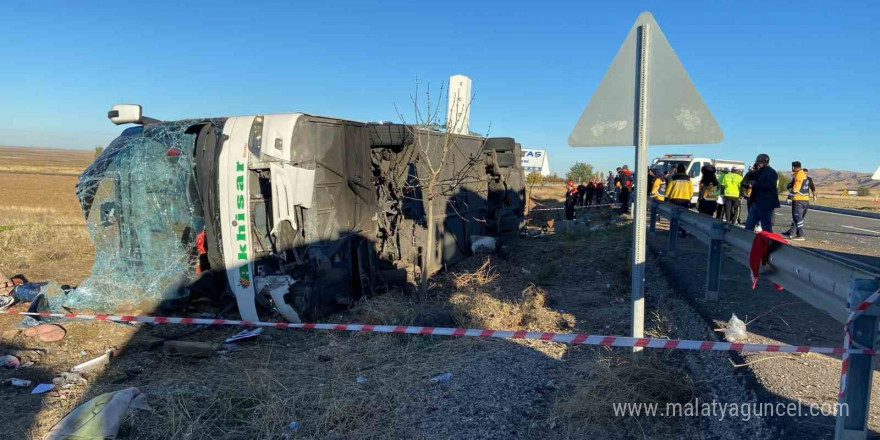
column 42, row 232
column 44, row 160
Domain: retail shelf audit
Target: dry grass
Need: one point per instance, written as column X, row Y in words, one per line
column 41, row 224
column 648, row 378
column 475, row 279
column 477, row 309
column 317, row 388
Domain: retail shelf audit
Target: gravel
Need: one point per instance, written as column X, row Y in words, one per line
column 491, row 396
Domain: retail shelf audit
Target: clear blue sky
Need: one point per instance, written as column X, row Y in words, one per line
column 797, row 80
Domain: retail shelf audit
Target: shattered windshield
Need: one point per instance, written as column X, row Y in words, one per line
column 143, row 214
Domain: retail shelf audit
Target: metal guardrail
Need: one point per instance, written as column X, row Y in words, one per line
column 818, row 280
column 831, row 286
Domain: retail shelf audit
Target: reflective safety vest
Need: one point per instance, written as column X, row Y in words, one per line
column 679, row 188
column 731, row 184
column 659, row 189
column 801, row 186
column 710, row 192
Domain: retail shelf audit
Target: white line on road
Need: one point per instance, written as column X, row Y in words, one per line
column 829, row 212
column 860, row 229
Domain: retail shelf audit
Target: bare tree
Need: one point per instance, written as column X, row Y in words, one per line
column 533, row 179
column 441, row 166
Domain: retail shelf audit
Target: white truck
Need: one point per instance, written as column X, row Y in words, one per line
column 693, row 165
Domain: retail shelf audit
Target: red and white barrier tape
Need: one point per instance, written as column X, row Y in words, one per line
column 847, row 339
column 567, row 338
column 576, row 207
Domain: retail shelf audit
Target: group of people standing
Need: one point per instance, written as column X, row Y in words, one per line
column 591, row 193
column 721, row 195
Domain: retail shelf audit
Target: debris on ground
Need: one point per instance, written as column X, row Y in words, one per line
column 289, row 429
column 19, row 382
column 6, row 302
column 483, row 244
column 42, row 388
column 362, row 380
column 93, row 365
column 244, row 334
column 735, row 330
column 100, row 417
column 46, row 332
column 189, row 348
column 69, row 379
column 443, row 378
column 9, row 361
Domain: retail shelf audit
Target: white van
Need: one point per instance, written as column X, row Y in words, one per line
column 693, row 166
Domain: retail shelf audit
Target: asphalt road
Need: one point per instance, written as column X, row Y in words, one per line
column 846, row 238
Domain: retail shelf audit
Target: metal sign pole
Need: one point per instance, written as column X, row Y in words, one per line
column 640, row 214
column 617, row 115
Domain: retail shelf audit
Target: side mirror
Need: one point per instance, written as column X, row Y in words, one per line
column 125, row 114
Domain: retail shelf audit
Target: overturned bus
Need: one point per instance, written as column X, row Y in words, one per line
column 292, row 213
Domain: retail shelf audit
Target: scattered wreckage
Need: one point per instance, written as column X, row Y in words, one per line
column 292, row 212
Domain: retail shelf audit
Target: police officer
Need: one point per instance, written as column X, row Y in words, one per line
column 730, row 190
column 800, row 203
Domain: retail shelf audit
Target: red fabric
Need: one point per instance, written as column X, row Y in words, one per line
column 200, row 247
column 200, row 243
column 759, row 253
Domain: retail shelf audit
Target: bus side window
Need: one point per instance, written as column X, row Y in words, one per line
column 695, row 170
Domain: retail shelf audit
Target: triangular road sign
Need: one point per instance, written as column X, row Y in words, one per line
column 676, row 112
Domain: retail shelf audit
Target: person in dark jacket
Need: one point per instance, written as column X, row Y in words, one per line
column 813, row 196
column 626, row 184
column 707, row 201
column 591, row 192
column 764, row 198
column 571, row 198
column 581, row 190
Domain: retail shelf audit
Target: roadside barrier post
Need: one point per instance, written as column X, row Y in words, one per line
column 653, row 216
column 852, row 417
column 673, row 230
column 713, row 266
